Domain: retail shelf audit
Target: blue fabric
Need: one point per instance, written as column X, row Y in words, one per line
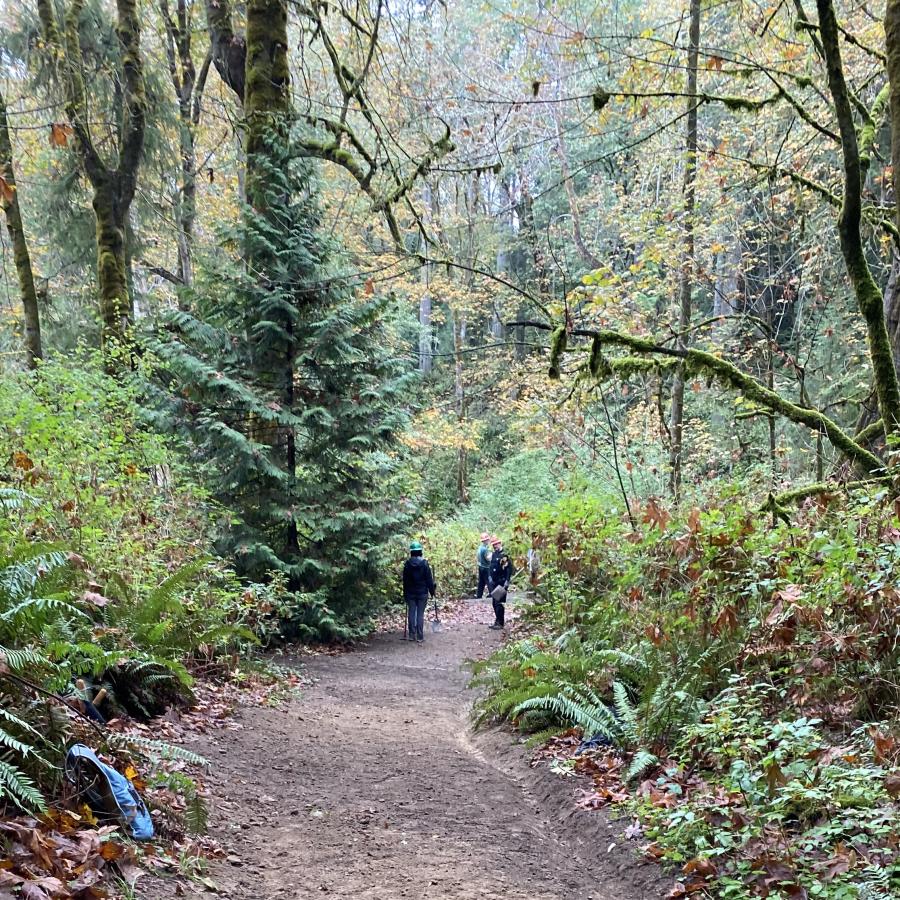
column 131, row 808
column 416, row 621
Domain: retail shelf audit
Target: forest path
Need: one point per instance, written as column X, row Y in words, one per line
column 371, row 784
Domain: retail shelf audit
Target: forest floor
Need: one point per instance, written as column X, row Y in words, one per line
column 372, row 784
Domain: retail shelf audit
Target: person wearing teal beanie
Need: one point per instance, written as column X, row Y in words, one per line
column 418, row 586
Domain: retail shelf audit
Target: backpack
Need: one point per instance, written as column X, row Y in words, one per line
column 108, row 793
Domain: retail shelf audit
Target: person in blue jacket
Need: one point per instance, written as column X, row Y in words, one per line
column 484, row 564
column 418, row 586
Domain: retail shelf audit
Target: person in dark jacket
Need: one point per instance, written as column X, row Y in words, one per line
column 484, row 564
column 499, row 578
column 418, row 586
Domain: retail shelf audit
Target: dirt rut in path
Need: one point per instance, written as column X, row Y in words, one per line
column 372, row 785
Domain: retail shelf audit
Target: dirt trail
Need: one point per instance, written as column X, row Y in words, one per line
column 372, row 785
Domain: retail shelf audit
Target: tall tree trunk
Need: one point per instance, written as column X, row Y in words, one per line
column 868, row 296
column 113, row 188
column 189, row 86
column 686, row 279
column 588, row 258
column 112, row 266
column 426, row 301
column 267, row 103
column 9, row 199
column 426, row 356
column 462, row 461
column 228, row 49
column 267, row 108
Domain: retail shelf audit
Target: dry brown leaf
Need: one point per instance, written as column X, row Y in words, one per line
column 7, row 190
column 60, row 134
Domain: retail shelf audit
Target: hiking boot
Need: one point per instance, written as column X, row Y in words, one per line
column 495, row 627
column 420, row 640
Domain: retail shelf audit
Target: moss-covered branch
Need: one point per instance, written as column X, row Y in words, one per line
column 777, row 503
column 829, row 196
column 870, row 433
column 701, row 362
column 873, row 120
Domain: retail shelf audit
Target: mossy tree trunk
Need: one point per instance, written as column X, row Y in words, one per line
column 267, row 102
column 688, row 262
column 267, row 113
column 868, row 296
column 189, row 85
column 227, row 47
column 113, row 186
column 9, row 200
column 112, row 266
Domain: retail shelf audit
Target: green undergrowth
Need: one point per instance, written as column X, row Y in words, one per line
column 107, row 576
column 741, row 681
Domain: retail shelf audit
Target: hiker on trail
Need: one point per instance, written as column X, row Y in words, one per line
column 499, row 578
column 418, row 585
column 484, row 564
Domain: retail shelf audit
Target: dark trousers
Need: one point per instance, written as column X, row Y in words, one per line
column 482, row 581
column 499, row 612
column 415, row 620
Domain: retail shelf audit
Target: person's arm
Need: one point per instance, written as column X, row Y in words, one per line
column 405, row 580
column 432, row 588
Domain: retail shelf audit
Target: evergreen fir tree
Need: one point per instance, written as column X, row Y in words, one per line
column 280, row 382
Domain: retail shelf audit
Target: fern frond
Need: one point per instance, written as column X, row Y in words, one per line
column 20, row 723
column 14, row 744
column 593, row 718
column 162, row 749
column 42, row 605
column 19, row 788
column 12, row 500
column 628, row 713
column 642, row 761
column 196, row 814
column 23, row 658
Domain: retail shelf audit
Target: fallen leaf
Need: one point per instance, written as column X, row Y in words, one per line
column 892, row 784
column 60, row 134
column 110, row 851
column 7, row 190
column 701, row 866
column 22, row 461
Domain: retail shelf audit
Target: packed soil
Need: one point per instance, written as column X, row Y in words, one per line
column 372, row 784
